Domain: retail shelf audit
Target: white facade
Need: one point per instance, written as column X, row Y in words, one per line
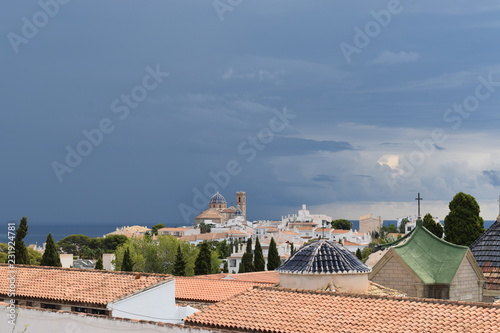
column 38, row 320
column 155, row 304
column 304, row 215
column 107, row 261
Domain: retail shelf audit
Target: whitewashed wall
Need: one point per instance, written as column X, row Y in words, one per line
column 156, row 304
column 42, row 321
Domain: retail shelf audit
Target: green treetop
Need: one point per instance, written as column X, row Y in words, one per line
column 127, row 263
column 341, row 224
column 463, row 225
column 435, row 227
column 180, row 263
column 202, row 264
column 50, row 256
column 154, row 229
column 259, row 262
column 273, row 257
column 99, row 264
column 246, row 264
column 21, row 251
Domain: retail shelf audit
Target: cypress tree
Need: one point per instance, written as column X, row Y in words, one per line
column 292, row 250
column 99, row 264
column 435, row 227
column 127, row 264
column 247, row 259
column 358, row 254
column 259, row 262
column 203, row 261
column 463, row 225
column 21, row 252
column 226, row 268
column 50, row 256
column 180, row 263
column 273, row 257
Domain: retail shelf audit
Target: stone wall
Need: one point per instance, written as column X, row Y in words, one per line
column 465, row 285
column 394, row 275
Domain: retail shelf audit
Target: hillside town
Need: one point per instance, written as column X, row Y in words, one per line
column 304, row 273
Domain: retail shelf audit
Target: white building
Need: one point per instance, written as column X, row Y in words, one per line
column 304, row 215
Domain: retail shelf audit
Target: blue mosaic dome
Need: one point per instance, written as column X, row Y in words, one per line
column 323, row 257
column 217, row 198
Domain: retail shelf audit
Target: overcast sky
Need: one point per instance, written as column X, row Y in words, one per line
column 125, row 111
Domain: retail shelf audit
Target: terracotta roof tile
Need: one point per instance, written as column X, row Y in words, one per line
column 210, row 290
column 258, row 277
column 174, row 229
column 76, row 285
column 287, row 311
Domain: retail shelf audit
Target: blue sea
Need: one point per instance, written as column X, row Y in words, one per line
column 37, row 233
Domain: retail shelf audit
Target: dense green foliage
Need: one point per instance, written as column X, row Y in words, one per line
column 204, row 228
column 259, row 263
column 402, row 225
column 50, row 256
column 127, row 263
column 99, row 264
column 342, row 224
column 246, row 264
column 365, row 253
column 180, row 263
column 202, row 264
column 463, row 225
column 273, row 257
column 21, row 251
column 435, row 227
column 156, row 255
column 223, row 249
column 358, row 254
column 90, row 248
column 154, row 229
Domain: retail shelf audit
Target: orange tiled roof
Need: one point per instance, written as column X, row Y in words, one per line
column 174, row 229
column 285, row 310
column 236, row 232
column 347, row 243
column 208, row 236
column 210, row 290
column 290, row 233
column 304, row 228
column 258, row 277
column 339, row 231
column 209, row 214
column 76, row 285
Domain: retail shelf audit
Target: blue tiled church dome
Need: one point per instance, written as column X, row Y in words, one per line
column 323, row 257
column 217, row 198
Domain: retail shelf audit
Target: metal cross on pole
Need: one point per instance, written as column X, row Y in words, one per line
column 419, row 198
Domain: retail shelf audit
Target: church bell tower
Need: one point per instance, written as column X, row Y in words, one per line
column 241, row 200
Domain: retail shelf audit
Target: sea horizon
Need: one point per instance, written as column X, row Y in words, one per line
column 37, row 233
